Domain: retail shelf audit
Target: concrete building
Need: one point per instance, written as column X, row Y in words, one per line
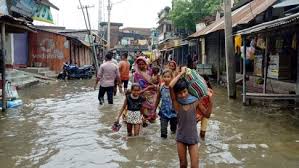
column 115, row 32
column 146, row 32
column 154, row 38
column 165, row 27
column 133, row 40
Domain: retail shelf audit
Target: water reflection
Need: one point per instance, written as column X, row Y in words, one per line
column 62, row 125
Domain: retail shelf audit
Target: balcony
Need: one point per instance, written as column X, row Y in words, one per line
column 165, row 36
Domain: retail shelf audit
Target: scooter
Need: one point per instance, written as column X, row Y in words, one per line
column 75, row 72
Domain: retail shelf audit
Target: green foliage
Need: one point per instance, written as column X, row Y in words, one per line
column 186, row 13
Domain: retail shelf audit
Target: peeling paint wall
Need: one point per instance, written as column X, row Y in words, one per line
column 48, row 50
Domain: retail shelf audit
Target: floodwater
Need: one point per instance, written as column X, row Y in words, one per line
column 63, row 126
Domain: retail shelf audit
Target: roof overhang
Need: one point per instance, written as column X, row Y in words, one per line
column 288, row 20
column 286, row 3
column 15, row 25
column 240, row 16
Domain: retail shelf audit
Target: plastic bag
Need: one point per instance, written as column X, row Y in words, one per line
column 197, row 84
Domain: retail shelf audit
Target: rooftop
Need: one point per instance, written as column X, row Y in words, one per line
column 112, row 24
column 142, row 31
column 288, row 20
column 242, row 15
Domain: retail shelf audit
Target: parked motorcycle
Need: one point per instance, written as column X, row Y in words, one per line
column 91, row 67
column 75, row 72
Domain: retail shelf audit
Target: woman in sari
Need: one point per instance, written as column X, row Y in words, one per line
column 173, row 67
column 142, row 76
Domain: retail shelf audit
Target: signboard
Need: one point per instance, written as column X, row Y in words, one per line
column 142, row 42
column 176, row 43
column 31, row 9
column 23, row 7
column 43, row 14
column 3, row 8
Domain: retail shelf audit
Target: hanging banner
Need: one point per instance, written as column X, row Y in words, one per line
column 43, row 14
column 238, row 42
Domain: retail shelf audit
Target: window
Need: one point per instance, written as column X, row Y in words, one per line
column 168, row 28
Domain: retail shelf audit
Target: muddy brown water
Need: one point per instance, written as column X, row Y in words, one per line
column 63, row 126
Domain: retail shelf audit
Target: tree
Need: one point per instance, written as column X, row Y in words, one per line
column 185, row 14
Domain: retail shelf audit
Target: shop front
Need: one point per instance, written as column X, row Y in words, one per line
column 273, row 47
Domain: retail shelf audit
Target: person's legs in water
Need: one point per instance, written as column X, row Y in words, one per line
column 115, row 88
column 194, row 156
column 152, row 115
column 130, row 129
column 182, row 152
column 144, row 123
column 203, row 128
column 101, row 94
column 164, row 125
column 136, row 129
column 144, row 120
column 110, row 94
column 125, row 82
column 173, row 125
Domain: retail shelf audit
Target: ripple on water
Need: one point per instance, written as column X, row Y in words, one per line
column 222, row 157
column 63, row 126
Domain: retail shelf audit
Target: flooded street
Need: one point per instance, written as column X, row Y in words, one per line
column 63, row 126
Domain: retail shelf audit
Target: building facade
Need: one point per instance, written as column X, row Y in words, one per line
column 114, row 32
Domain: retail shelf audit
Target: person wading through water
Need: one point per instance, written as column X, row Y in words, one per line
column 124, row 70
column 107, row 75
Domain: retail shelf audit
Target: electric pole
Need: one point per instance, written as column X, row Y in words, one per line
column 100, row 15
column 88, row 28
column 229, row 51
column 109, row 8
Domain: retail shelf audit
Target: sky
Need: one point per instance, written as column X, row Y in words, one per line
column 132, row 13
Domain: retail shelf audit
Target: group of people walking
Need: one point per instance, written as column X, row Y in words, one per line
column 152, row 88
column 112, row 74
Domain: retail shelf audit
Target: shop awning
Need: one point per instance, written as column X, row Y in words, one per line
column 242, row 15
column 271, row 25
column 286, row 3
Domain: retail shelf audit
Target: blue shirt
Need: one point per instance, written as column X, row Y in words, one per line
column 166, row 109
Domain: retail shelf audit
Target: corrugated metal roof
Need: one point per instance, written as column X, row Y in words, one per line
column 286, row 3
column 240, row 16
column 272, row 24
column 16, row 22
column 65, row 35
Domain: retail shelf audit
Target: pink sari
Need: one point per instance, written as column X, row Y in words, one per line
column 150, row 95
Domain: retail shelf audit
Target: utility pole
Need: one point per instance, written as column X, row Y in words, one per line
column 88, row 28
column 100, row 15
column 229, row 51
column 109, row 8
